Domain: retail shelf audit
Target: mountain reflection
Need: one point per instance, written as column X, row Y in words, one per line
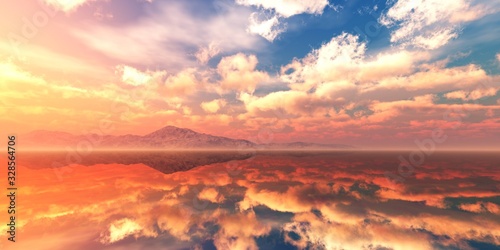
column 263, row 201
column 164, row 161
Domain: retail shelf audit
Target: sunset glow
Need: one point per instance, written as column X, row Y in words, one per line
column 371, row 74
column 250, row 124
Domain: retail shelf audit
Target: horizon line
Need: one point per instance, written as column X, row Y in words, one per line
column 257, row 149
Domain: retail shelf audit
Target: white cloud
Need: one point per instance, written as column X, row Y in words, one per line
column 66, row 5
column 429, row 24
column 204, row 54
column 269, row 29
column 167, row 35
column 213, row 106
column 341, row 69
column 436, row 39
column 292, row 102
column 472, row 95
column 135, row 77
column 332, row 60
column 120, row 229
column 288, row 8
column 340, row 75
column 498, row 57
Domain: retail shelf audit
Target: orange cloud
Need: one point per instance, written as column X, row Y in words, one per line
column 211, row 194
column 238, row 73
column 213, row 106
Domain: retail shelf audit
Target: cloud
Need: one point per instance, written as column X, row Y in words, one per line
column 472, row 95
column 288, row 8
column 153, row 86
column 135, row 77
column 204, row 54
column 344, row 218
column 341, row 69
column 436, row 77
column 212, row 195
column 232, row 235
column 39, row 100
column 343, row 86
column 331, row 234
column 498, row 57
column 340, row 84
column 429, row 24
column 13, row 73
column 335, row 74
column 481, row 207
column 213, row 106
column 120, row 229
column 181, row 84
column 177, row 221
column 66, row 5
column 167, row 36
column 270, row 27
column 292, row 102
column 47, row 62
column 343, row 60
column 238, row 72
column 284, row 202
column 331, row 60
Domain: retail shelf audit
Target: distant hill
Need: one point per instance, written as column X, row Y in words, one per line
column 169, row 137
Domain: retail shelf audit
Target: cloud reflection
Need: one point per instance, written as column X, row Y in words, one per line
column 314, row 201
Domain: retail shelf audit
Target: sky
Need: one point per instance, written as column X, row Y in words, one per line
column 395, row 73
column 344, row 202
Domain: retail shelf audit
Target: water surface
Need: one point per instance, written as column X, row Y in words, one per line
column 275, row 200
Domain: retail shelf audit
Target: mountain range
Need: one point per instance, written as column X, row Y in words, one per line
column 169, row 137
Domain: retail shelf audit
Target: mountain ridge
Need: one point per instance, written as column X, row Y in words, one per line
column 168, row 137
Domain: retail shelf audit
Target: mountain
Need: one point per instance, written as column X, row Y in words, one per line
column 169, row 137
column 187, row 138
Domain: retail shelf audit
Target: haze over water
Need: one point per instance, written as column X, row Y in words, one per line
column 274, row 200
